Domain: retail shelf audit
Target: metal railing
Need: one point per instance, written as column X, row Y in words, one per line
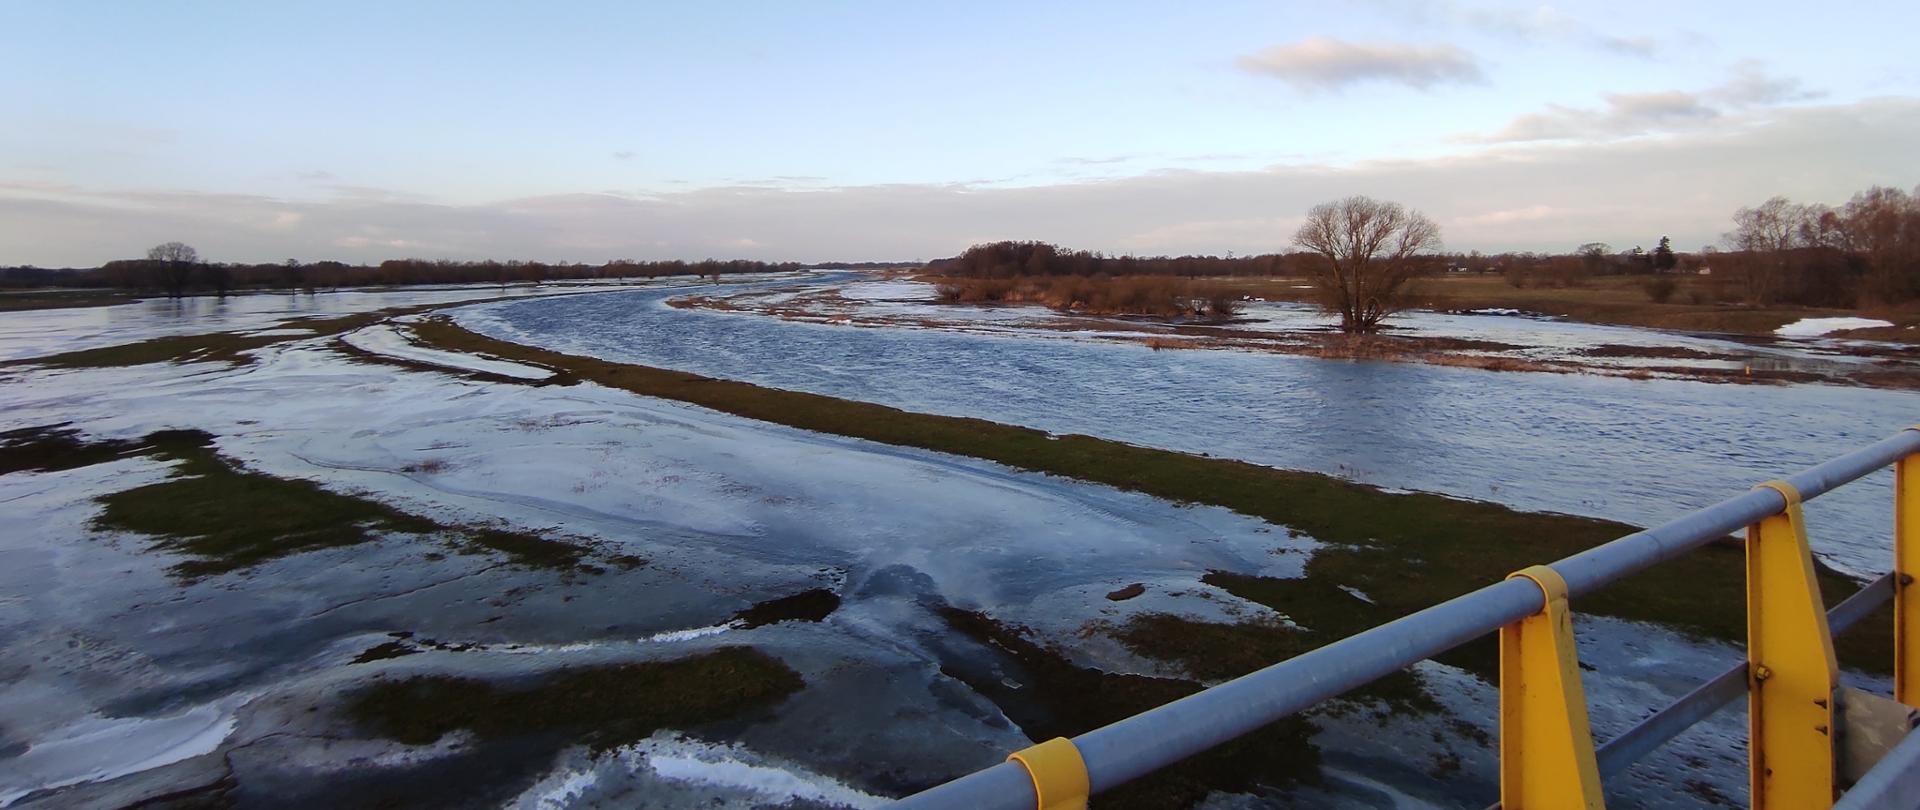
column 1548, row 757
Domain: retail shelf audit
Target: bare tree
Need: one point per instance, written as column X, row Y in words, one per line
column 1883, row 224
column 1369, row 246
column 1767, row 233
column 174, row 263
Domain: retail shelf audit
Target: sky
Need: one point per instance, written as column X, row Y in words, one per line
column 823, row 131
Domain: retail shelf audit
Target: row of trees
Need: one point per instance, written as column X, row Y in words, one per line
column 1866, row 251
column 177, row 269
column 1018, row 259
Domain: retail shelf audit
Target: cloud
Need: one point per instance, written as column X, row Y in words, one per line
column 316, row 176
column 1324, row 63
column 1625, row 114
column 1629, row 114
column 1509, row 216
column 1532, row 24
column 624, row 154
column 1751, row 86
column 1550, row 196
column 1087, row 161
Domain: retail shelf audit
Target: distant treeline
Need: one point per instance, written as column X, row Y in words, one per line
column 1864, row 252
column 178, row 277
column 1016, row 259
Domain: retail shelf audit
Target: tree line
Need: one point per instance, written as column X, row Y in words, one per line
column 1014, row 259
column 177, row 269
column 1866, row 251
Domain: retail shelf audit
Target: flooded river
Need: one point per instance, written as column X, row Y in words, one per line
column 1638, row 451
column 121, row 681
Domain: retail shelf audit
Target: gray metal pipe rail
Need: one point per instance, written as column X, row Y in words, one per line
column 1619, row 753
column 1138, row 745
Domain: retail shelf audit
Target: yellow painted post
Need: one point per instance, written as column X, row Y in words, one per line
column 1906, row 565
column 1546, row 746
column 1791, row 672
column 1059, row 774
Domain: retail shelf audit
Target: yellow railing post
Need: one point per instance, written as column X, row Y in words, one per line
column 1791, row 672
column 1906, row 565
column 1546, row 746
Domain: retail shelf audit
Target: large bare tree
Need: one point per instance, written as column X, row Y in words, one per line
column 1369, row 246
column 174, row 263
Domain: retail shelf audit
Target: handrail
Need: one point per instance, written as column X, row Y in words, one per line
column 1138, row 745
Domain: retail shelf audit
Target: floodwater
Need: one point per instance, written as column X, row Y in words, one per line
column 1638, row 451
column 119, row 682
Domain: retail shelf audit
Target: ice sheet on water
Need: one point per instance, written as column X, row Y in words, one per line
column 387, row 340
column 99, row 748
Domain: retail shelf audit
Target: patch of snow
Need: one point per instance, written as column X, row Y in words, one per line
column 386, row 340
column 1815, row 327
column 278, row 332
column 1357, row 594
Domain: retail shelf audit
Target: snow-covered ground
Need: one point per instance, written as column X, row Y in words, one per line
column 1815, row 327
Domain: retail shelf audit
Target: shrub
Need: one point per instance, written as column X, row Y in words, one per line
column 1660, row 288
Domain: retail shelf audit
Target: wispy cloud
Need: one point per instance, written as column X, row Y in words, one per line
column 1325, row 63
column 624, row 154
column 1092, row 161
column 1533, row 23
column 1629, row 114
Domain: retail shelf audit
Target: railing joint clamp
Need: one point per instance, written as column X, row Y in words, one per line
column 1059, row 774
column 1786, row 490
column 1552, row 585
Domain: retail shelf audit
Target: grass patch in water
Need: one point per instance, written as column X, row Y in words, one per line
column 47, row 448
column 1408, row 550
column 810, row 605
column 529, row 550
column 225, row 518
column 1060, row 699
column 224, row 347
column 384, row 651
column 602, row 706
column 232, row 348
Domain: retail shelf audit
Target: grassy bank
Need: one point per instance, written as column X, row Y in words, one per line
column 1407, row 550
column 602, row 706
column 62, row 299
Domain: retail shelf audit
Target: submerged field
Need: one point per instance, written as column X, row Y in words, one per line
column 598, row 550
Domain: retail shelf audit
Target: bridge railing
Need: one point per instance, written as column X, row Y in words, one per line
column 1809, row 737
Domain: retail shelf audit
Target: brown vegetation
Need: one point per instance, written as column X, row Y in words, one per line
column 1017, row 259
column 1151, row 296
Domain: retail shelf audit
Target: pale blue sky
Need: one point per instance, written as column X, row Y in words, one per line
column 366, row 130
